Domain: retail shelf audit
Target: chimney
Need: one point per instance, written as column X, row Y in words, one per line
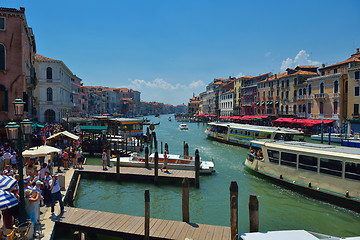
column 357, row 50
column 323, row 65
column 275, row 76
column 22, row 9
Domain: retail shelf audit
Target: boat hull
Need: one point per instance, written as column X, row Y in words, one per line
column 304, row 188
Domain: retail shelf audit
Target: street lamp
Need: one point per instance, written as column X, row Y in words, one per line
column 15, row 132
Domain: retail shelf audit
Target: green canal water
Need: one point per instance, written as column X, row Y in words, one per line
column 279, row 208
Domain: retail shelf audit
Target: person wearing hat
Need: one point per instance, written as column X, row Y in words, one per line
column 30, row 200
column 56, row 194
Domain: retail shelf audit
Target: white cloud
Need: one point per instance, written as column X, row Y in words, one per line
column 162, row 91
column 267, row 54
column 301, row 59
column 239, row 75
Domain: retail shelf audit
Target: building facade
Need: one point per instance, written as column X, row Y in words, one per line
column 193, row 106
column 17, row 63
column 53, row 91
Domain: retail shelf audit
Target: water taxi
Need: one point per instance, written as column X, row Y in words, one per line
column 327, row 172
column 183, row 126
column 175, row 161
column 242, row 134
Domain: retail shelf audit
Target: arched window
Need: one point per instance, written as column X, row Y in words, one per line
column 300, row 108
column 300, row 92
column 304, row 108
column 304, row 91
column 287, row 109
column 49, row 73
column 3, row 98
column 294, row 109
column 49, row 116
column 321, row 87
column 346, row 87
column 49, row 94
column 2, row 57
column 310, row 89
column 282, row 108
column 336, row 86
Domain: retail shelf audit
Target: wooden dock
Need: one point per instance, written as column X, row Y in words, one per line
column 138, row 173
column 132, row 227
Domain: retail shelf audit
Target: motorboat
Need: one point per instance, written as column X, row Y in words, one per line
column 327, row 172
column 334, row 137
column 183, row 126
column 169, row 119
column 175, row 161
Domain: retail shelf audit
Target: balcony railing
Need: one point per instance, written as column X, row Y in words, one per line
column 320, row 95
column 334, row 95
column 246, row 104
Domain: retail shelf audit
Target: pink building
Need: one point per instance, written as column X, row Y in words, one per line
column 17, row 62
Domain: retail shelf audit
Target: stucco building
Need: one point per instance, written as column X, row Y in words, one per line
column 17, row 63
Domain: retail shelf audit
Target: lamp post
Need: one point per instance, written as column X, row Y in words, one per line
column 16, row 131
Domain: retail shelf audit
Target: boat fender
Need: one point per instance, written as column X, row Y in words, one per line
column 347, row 194
column 281, row 177
column 309, row 184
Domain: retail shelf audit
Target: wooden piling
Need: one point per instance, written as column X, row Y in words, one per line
column 147, row 214
column 117, row 162
column 155, row 141
column 126, row 142
column 70, row 198
column 185, row 200
column 186, row 150
column 167, row 148
column 151, row 142
column 254, row 213
column 147, row 135
column 156, row 167
column 108, row 152
column 146, row 157
column 234, row 209
column 162, row 148
column 197, row 168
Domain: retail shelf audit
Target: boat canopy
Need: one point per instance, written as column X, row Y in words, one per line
column 302, row 122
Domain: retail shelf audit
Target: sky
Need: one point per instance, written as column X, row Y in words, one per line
column 169, row 50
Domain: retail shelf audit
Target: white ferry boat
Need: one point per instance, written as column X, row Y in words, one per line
column 327, row 172
column 180, row 162
column 242, row 134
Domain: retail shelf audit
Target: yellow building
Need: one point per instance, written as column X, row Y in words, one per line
column 353, row 113
column 331, row 94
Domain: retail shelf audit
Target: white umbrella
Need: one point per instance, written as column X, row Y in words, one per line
column 7, row 182
column 7, row 200
column 41, row 151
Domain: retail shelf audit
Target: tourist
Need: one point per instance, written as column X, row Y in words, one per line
column 165, row 162
column 46, row 191
column 7, row 157
column 73, row 157
column 65, row 157
column 80, row 158
column 104, row 159
column 13, row 160
column 30, row 201
column 56, row 194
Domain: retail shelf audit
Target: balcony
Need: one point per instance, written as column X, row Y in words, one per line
column 356, row 115
column 334, row 95
column 320, row 96
column 302, row 97
column 246, row 104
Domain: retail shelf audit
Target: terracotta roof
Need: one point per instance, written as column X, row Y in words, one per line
column 306, row 67
column 354, row 58
column 43, row 58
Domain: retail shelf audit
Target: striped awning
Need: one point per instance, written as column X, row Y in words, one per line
column 7, row 182
column 7, row 200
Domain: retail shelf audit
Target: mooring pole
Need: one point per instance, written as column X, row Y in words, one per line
column 234, row 209
column 197, row 169
column 254, row 213
column 167, row 148
column 185, row 200
column 147, row 157
column 162, row 147
column 147, row 214
column 156, row 170
column 117, row 162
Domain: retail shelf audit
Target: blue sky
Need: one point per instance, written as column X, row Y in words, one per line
column 169, row 49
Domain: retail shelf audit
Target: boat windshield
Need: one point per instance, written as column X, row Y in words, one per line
column 289, row 137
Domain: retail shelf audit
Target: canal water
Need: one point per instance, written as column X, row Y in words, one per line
column 279, row 208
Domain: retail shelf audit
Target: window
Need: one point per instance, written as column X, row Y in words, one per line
column 295, row 92
column 288, row 159
column 308, row 163
column 322, row 73
column 346, row 87
column 49, row 73
column 304, row 91
column 2, row 23
column 335, row 107
column 310, row 89
column 2, row 57
column 309, row 108
column 273, row 156
column 304, row 108
column 277, row 92
column 300, row 108
column 295, row 81
column 357, row 91
column 321, row 88
column 287, row 95
column 336, row 87
column 357, row 75
column 49, row 94
column 3, row 98
column 294, row 109
column 331, row 167
column 282, row 83
column 321, row 108
column 300, row 92
column 352, row 170
column 287, row 109
column 356, row 109
column 335, row 70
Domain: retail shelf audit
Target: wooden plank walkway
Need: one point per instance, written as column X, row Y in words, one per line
column 131, row 227
column 140, row 172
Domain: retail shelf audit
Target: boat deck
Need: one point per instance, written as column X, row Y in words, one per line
column 132, row 227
